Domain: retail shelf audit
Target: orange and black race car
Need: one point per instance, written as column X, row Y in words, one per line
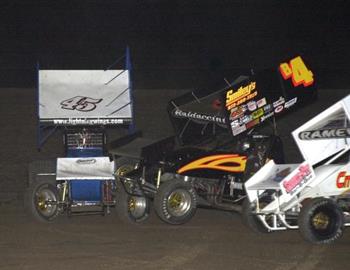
column 221, row 139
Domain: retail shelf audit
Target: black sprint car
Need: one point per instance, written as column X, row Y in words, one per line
column 221, row 138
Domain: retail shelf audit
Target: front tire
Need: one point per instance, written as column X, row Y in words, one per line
column 41, row 200
column 321, row 221
column 175, row 202
column 251, row 220
column 130, row 208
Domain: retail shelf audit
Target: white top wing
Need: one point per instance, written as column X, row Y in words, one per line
column 325, row 134
column 71, row 97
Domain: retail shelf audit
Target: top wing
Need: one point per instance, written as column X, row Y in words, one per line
column 84, row 97
column 244, row 104
column 268, row 94
column 326, row 134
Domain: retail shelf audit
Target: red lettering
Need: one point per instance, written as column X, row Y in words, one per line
column 343, row 180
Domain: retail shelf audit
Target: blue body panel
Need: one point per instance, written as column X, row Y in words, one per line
column 85, row 152
column 86, row 190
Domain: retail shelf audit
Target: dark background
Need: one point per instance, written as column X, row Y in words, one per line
column 174, row 44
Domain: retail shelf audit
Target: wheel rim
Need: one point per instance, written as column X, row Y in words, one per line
column 137, row 206
column 179, row 202
column 324, row 222
column 320, row 221
column 46, row 202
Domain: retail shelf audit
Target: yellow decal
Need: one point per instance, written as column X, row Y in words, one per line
column 229, row 163
column 243, row 94
column 258, row 113
column 297, row 70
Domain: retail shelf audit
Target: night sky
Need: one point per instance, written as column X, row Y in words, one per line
column 173, row 43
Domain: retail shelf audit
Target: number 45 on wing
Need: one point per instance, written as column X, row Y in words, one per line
column 80, row 103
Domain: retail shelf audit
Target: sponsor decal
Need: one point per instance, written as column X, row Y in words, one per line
column 198, row 116
column 238, row 130
column 229, row 163
column 264, row 117
column 236, row 113
column 252, row 106
column 343, row 180
column 244, row 107
column 331, row 133
column 79, row 121
column 297, row 71
column 257, row 113
column 243, row 94
column 235, row 123
column 86, row 161
column 279, row 102
column 252, row 123
column 302, row 175
column 290, row 102
column 261, row 102
column 279, row 109
column 80, row 103
column 268, row 108
column 245, row 119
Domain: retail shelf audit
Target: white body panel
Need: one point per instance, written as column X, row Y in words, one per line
column 331, row 180
column 325, row 139
column 288, row 179
column 95, row 168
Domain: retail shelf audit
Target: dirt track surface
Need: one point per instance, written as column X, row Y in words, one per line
column 212, row 240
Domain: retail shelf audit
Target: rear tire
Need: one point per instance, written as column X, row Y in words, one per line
column 321, row 221
column 175, row 202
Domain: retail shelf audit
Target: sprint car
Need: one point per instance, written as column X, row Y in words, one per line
column 84, row 105
column 221, row 138
column 312, row 196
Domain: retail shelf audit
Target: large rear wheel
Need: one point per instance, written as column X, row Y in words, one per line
column 175, row 202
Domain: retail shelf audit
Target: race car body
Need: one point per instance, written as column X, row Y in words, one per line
column 314, row 195
column 220, row 140
column 83, row 105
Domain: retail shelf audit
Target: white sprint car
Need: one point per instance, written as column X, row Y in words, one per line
column 313, row 196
